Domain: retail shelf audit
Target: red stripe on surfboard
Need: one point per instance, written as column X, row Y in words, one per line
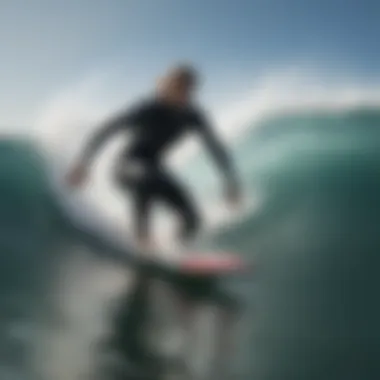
column 213, row 264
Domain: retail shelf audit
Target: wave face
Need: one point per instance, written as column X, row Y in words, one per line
column 316, row 240
column 314, row 233
column 29, row 234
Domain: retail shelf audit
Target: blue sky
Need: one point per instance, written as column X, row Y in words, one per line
column 48, row 43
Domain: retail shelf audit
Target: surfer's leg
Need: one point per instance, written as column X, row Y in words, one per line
column 176, row 197
column 141, row 195
column 140, row 186
column 142, row 206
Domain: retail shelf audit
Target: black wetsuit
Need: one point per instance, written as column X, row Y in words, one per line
column 154, row 128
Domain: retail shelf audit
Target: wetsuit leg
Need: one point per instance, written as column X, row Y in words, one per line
column 141, row 190
column 175, row 196
column 143, row 198
column 158, row 184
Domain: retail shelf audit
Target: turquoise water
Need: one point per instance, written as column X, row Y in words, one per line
column 313, row 311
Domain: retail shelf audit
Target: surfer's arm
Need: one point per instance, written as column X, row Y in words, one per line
column 217, row 150
column 111, row 127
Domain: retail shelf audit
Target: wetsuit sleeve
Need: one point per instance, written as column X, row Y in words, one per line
column 118, row 123
column 215, row 147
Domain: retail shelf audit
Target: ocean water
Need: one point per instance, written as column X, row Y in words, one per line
column 312, row 228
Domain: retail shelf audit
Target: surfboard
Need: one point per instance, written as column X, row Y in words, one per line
column 212, row 263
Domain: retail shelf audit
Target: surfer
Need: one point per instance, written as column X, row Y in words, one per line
column 154, row 126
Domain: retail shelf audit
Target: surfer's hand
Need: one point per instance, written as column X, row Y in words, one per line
column 77, row 176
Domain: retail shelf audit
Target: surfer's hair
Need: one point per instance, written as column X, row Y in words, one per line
column 186, row 74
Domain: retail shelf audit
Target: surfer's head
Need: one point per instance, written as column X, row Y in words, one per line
column 179, row 84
